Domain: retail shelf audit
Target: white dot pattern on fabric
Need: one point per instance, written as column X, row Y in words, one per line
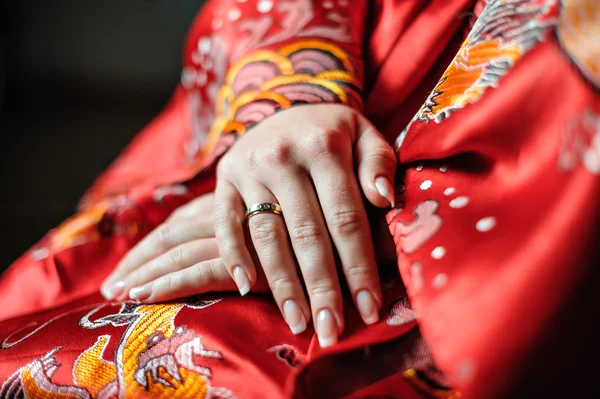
column 444, row 168
column 426, row 185
column 416, row 272
column 217, row 24
column 449, row 191
column 440, row 280
column 264, row 6
column 419, row 167
column 343, row 3
column 486, row 224
column 234, row 14
column 459, row 202
column 438, row 253
column 591, row 160
column 204, row 45
column 328, row 4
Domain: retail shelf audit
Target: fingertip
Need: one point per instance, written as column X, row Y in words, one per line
column 242, row 280
column 386, row 190
column 112, row 287
column 367, row 307
column 141, row 293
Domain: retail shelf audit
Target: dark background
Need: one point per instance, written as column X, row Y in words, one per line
column 78, row 79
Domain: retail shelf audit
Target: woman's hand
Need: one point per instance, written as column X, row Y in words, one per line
column 304, row 159
column 179, row 258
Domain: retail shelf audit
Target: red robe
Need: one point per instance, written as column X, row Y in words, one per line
column 496, row 223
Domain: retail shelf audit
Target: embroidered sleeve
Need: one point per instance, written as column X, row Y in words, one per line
column 279, row 53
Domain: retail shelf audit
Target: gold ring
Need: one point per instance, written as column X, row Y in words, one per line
column 265, row 207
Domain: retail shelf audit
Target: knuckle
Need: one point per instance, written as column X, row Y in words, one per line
column 322, row 288
column 252, row 160
column 326, row 141
column 226, row 164
column 172, row 282
column 306, row 234
column 163, row 235
column 229, row 247
column 359, row 272
column 177, row 255
column 381, row 155
column 224, row 217
column 347, row 222
column 279, row 153
column 264, row 231
column 281, row 284
column 203, row 273
column 231, row 250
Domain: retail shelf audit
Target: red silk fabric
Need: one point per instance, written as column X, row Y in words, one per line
column 493, row 108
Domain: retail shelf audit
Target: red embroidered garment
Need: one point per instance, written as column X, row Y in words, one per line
column 494, row 111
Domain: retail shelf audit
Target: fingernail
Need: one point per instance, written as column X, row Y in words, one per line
column 367, row 307
column 140, row 293
column 294, row 316
column 241, row 280
column 385, row 189
column 326, row 328
column 112, row 288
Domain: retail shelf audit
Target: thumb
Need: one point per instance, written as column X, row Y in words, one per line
column 376, row 164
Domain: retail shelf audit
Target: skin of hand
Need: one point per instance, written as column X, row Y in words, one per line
column 178, row 258
column 152, row 262
column 181, row 257
column 306, row 159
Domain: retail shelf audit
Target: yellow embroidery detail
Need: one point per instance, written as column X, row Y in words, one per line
column 33, row 390
column 91, row 371
column 458, row 87
column 333, row 83
column 419, row 384
column 503, row 33
column 153, row 358
column 579, row 32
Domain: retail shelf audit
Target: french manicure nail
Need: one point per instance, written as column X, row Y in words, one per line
column 111, row 289
column 385, row 189
column 140, row 293
column 326, row 328
column 367, row 307
column 294, row 316
column 241, row 280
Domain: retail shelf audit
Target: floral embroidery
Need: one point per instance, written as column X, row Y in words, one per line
column 412, row 236
column 153, row 358
column 503, row 33
column 401, row 313
column 266, row 82
column 289, row 54
column 581, row 143
column 34, row 381
column 578, row 33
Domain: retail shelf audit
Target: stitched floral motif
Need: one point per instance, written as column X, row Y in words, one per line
column 581, row 143
column 153, row 358
column 578, row 32
column 503, row 33
column 265, row 82
column 291, row 52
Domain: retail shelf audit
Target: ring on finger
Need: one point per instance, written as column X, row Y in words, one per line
column 264, row 207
